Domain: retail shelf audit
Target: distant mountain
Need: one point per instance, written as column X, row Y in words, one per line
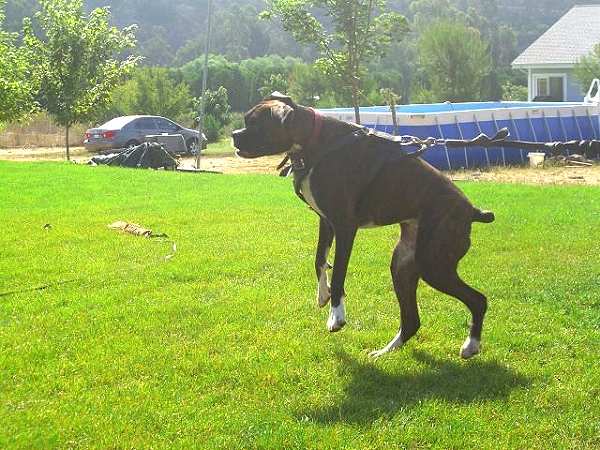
column 171, row 32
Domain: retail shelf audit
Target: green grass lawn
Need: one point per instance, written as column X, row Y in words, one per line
column 222, row 147
column 223, row 346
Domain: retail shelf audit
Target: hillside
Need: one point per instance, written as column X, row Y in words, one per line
column 171, row 32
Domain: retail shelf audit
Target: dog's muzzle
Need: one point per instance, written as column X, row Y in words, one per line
column 252, row 144
column 246, row 143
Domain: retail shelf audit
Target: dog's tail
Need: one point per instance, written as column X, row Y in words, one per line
column 483, row 216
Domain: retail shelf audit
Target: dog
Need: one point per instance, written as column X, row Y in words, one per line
column 353, row 180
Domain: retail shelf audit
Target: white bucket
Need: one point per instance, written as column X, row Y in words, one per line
column 536, row 159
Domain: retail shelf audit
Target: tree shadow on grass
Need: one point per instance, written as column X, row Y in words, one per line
column 373, row 393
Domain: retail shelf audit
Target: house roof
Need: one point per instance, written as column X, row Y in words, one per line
column 573, row 36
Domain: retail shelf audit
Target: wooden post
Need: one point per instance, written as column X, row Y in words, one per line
column 204, row 81
column 67, row 142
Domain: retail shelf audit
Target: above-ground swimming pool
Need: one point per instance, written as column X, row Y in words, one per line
column 526, row 121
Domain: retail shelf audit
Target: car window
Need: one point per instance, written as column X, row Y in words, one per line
column 148, row 123
column 116, row 123
column 165, row 125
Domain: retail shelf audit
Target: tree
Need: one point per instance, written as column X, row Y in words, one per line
column 217, row 112
column 391, row 99
column 307, row 85
column 242, row 80
column 276, row 82
column 17, row 84
column 514, row 92
column 455, row 60
column 76, row 59
column 151, row 90
column 588, row 68
column 356, row 32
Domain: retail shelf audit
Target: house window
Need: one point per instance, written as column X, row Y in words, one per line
column 550, row 87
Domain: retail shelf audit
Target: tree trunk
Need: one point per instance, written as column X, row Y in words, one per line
column 67, row 142
column 355, row 86
column 356, row 103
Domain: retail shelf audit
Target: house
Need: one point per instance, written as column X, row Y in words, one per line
column 549, row 61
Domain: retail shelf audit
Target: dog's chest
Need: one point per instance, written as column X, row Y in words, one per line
column 305, row 188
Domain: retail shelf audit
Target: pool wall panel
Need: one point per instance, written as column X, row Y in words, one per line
column 528, row 122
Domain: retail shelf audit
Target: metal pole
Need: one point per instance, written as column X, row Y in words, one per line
column 204, row 80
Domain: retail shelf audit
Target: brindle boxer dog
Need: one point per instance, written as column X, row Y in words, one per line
column 350, row 185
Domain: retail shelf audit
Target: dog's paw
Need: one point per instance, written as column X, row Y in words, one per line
column 377, row 353
column 392, row 345
column 470, row 348
column 337, row 318
column 384, row 351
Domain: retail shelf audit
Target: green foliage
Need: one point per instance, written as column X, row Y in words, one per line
column 165, row 36
column 359, row 30
column 17, row 82
column 307, row 85
column 514, row 92
column 456, row 61
column 212, row 128
column 76, row 58
column 588, row 68
column 217, row 113
column 241, row 79
column 152, row 91
column 239, row 35
column 277, row 82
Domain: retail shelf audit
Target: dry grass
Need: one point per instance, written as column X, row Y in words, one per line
column 220, row 157
column 40, row 131
column 526, row 175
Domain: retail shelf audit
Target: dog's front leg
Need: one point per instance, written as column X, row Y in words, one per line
column 344, row 239
column 321, row 264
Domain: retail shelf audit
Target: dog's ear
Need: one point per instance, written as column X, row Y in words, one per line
column 282, row 98
column 283, row 113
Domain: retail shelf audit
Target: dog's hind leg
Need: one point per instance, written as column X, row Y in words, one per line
column 321, row 264
column 405, row 275
column 344, row 239
column 438, row 255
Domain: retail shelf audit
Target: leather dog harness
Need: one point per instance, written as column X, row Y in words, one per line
column 300, row 164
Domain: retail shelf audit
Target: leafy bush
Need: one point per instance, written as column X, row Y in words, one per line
column 217, row 112
column 212, row 128
column 152, row 91
column 236, row 122
column 456, row 59
column 588, row 68
column 514, row 92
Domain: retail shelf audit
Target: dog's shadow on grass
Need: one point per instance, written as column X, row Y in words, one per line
column 373, row 393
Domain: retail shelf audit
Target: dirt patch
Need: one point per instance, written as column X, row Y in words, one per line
column 522, row 175
column 235, row 164
column 526, row 175
column 231, row 164
column 78, row 154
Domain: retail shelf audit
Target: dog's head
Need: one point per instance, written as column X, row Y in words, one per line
column 268, row 128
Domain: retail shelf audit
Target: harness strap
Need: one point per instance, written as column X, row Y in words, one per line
column 301, row 165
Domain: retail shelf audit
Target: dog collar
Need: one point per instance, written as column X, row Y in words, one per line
column 316, row 129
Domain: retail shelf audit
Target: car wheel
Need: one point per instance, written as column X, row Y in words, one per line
column 132, row 143
column 192, row 146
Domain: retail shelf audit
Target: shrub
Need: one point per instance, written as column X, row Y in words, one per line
column 212, row 128
column 217, row 112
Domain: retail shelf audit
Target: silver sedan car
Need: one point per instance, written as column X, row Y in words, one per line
column 128, row 131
